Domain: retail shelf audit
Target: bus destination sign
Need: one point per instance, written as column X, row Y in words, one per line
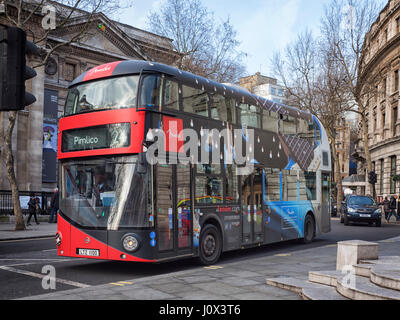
column 109, row 136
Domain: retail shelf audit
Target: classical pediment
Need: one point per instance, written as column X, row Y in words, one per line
column 101, row 35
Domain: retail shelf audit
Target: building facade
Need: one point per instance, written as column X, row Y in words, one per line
column 342, row 141
column 381, row 66
column 265, row 87
column 35, row 133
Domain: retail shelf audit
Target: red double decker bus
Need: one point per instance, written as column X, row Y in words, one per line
column 115, row 205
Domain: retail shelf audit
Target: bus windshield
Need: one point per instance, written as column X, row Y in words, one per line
column 105, row 193
column 114, row 93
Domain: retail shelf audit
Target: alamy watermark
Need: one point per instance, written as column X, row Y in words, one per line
column 349, row 18
column 211, row 147
column 349, row 276
column 49, row 280
column 49, row 20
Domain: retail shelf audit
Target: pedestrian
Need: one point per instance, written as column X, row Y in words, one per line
column 386, row 208
column 32, row 207
column 393, row 207
column 54, row 206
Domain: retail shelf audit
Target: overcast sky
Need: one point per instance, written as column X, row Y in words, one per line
column 263, row 26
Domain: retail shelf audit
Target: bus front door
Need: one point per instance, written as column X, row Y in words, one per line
column 174, row 210
column 252, row 213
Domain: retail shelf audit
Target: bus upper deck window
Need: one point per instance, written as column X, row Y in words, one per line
column 195, row 101
column 150, row 91
column 171, row 95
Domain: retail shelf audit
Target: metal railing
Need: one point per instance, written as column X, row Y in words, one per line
column 6, row 203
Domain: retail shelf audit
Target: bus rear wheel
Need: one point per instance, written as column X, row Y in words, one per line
column 210, row 245
column 309, row 229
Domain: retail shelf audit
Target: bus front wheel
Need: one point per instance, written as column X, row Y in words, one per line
column 309, row 229
column 210, row 245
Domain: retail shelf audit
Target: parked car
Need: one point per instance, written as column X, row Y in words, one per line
column 361, row 209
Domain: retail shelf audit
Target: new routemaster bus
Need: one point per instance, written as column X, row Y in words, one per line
column 117, row 205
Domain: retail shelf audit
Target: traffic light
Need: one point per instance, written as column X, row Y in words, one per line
column 372, row 178
column 13, row 69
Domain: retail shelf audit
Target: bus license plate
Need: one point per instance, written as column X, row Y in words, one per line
column 88, row 252
column 365, row 215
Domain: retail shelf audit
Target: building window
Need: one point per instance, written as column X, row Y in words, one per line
column 398, row 24
column 273, row 91
column 396, row 81
column 394, row 120
column 383, row 120
column 69, row 71
column 384, row 86
column 393, row 164
column 381, row 176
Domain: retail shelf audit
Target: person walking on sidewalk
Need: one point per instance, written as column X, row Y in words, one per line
column 32, row 206
column 386, row 207
column 393, row 207
column 55, row 200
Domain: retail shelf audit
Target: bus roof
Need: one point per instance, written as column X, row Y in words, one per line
column 128, row 67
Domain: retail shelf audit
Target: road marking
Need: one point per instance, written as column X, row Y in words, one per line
column 283, row 255
column 213, row 267
column 50, row 259
column 125, row 282
column 117, row 284
column 331, row 245
column 21, row 240
column 41, row 276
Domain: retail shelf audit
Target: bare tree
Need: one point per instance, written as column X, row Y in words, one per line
column 24, row 14
column 204, row 46
column 344, row 26
column 314, row 82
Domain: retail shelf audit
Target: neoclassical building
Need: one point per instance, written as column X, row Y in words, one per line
column 381, row 64
column 105, row 41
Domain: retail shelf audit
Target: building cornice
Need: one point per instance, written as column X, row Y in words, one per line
column 383, row 144
column 380, row 55
column 86, row 51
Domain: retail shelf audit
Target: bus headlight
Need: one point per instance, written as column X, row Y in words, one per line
column 130, row 243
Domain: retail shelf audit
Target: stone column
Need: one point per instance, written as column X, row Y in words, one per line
column 35, row 133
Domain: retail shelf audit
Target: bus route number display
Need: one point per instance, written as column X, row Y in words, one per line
column 109, row 136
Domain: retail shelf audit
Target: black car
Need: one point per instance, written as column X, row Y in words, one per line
column 361, row 209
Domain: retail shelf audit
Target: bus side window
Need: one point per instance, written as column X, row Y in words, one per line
column 171, row 95
column 308, row 185
column 250, row 115
column 231, row 110
column 290, row 185
column 288, row 125
column 219, row 109
column 270, row 121
column 195, row 101
column 232, row 188
column 272, row 185
column 150, row 91
column 306, row 130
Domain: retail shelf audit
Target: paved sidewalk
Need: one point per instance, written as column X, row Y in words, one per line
column 242, row 280
column 43, row 230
